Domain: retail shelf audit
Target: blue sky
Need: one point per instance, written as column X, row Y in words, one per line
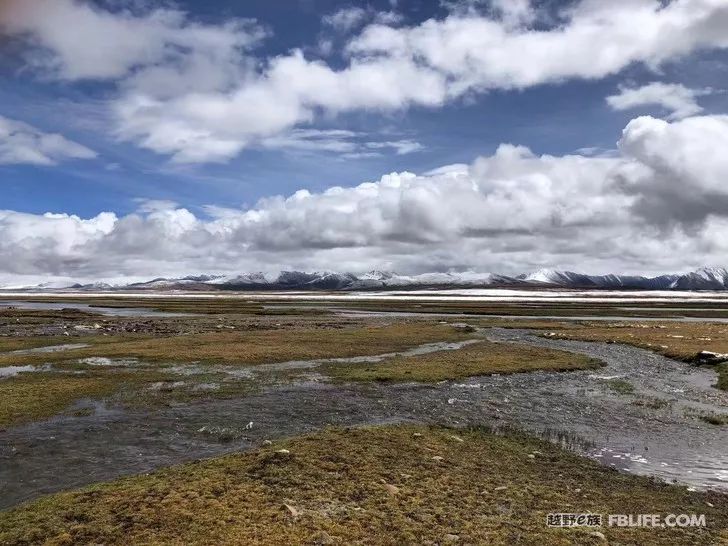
column 205, row 143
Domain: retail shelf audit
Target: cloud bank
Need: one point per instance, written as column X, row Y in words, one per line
column 506, row 212
column 198, row 92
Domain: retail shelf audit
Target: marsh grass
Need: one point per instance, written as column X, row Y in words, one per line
column 714, row 418
column 380, row 485
column 621, row 386
column 258, row 346
column 482, row 358
column 37, row 395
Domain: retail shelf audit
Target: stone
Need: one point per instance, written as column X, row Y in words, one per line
column 291, row 510
column 391, row 489
column 709, row 357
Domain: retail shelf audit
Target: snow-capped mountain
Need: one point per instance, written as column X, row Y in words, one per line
column 570, row 279
column 708, row 278
column 701, row 279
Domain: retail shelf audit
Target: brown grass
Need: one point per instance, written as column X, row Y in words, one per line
column 255, row 347
column 481, row 358
column 382, row 485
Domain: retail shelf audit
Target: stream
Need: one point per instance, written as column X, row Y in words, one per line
column 577, row 409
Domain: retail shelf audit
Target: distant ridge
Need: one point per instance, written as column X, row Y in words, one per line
column 701, row 279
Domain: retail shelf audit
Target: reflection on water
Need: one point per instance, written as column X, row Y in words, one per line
column 110, row 311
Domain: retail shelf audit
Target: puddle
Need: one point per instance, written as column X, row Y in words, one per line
column 48, row 349
column 109, row 362
column 11, row 371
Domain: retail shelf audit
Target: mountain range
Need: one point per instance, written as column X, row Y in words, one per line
column 701, row 279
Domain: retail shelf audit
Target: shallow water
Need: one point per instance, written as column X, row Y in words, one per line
column 355, row 313
column 110, row 311
column 48, row 349
column 577, row 406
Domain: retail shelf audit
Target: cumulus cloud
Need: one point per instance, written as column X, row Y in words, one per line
column 687, row 168
column 21, row 143
column 505, row 212
column 681, row 101
column 80, row 40
column 197, row 92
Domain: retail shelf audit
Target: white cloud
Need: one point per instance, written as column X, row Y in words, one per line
column 22, row 143
column 349, row 18
column 346, row 19
column 687, row 165
column 78, row 40
column 337, row 141
column 506, row 212
column 197, row 93
column 681, row 101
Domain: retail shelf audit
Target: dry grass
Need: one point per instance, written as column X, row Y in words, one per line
column 481, row 358
column 255, row 347
column 384, row 485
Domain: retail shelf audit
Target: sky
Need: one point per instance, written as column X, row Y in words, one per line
column 142, row 139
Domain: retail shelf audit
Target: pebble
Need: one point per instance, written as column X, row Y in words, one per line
column 392, row 489
column 291, row 510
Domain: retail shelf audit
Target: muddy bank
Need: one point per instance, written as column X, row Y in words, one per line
column 579, row 409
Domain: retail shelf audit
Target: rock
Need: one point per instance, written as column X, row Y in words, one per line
column 291, row 510
column 283, row 452
column 531, row 456
column 598, row 534
column 709, row 357
column 322, row 539
column 456, row 438
column 450, row 538
column 438, row 458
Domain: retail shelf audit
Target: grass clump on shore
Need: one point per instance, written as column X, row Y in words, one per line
column 621, row 386
column 378, row 485
column 714, row 419
column 481, row 358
